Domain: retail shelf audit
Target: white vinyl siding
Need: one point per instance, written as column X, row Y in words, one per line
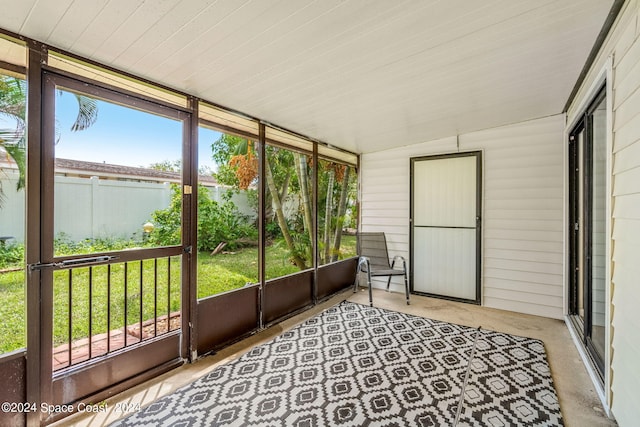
column 523, row 216
column 623, row 45
column 522, row 262
column 599, row 217
column 626, row 232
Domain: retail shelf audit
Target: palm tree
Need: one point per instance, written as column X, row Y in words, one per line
column 13, row 105
column 12, row 141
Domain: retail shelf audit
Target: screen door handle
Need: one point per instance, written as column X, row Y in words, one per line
column 69, row 263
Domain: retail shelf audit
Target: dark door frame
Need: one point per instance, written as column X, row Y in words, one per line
column 41, row 383
column 478, row 155
column 585, row 167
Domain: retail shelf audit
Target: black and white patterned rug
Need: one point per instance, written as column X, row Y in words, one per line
column 355, row 365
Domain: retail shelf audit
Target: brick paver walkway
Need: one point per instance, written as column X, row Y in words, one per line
column 102, row 344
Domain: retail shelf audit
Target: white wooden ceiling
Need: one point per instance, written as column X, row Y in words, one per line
column 364, row 75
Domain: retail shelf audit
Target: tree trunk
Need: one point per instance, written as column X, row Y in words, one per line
column 342, row 209
column 301, row 170
column 327, row 216
column 285, row 187
column 282, row 222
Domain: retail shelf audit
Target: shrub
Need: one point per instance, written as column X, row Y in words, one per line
column 222, row 222
column 11, row 255
column 65, row 246
column 272, row 230
column 217, row 222
column 167, row 222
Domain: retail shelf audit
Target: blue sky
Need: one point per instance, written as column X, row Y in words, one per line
column 124, row 136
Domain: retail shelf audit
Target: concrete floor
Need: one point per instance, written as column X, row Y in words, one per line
column 579, row 402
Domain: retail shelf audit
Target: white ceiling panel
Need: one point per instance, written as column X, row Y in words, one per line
column 133, row 26
column 221, row 34
column 17, row 13
column 43, row 17
column 364, row 75
column 75, row 22
column 102, row 24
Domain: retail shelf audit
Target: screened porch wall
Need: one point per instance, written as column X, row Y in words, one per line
column 522, row 244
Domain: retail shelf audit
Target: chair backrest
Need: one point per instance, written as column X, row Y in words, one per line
column 374, row 246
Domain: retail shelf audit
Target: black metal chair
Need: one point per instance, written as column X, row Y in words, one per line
column 374, row 260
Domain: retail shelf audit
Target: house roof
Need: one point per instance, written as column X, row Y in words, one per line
column 360, row 75
column 118, row 171
column 106, row 170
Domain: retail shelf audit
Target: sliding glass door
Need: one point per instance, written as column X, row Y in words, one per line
column 587, row 192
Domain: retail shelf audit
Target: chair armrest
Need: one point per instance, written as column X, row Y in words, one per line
column 363, row 260
column 400, row 257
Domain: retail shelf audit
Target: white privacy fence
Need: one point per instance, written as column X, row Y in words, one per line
column 96, row 208
column 12, row 213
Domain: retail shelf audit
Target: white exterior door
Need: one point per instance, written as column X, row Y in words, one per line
column 445, row 226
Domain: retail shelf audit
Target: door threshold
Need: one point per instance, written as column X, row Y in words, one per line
column 592, row 370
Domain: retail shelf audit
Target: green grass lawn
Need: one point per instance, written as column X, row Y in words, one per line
column 216, row 274
column 227, row 271
column 121, row 296
column 12, row 311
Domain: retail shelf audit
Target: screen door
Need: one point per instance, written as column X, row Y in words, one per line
column 112, row 296
column 445, row 226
